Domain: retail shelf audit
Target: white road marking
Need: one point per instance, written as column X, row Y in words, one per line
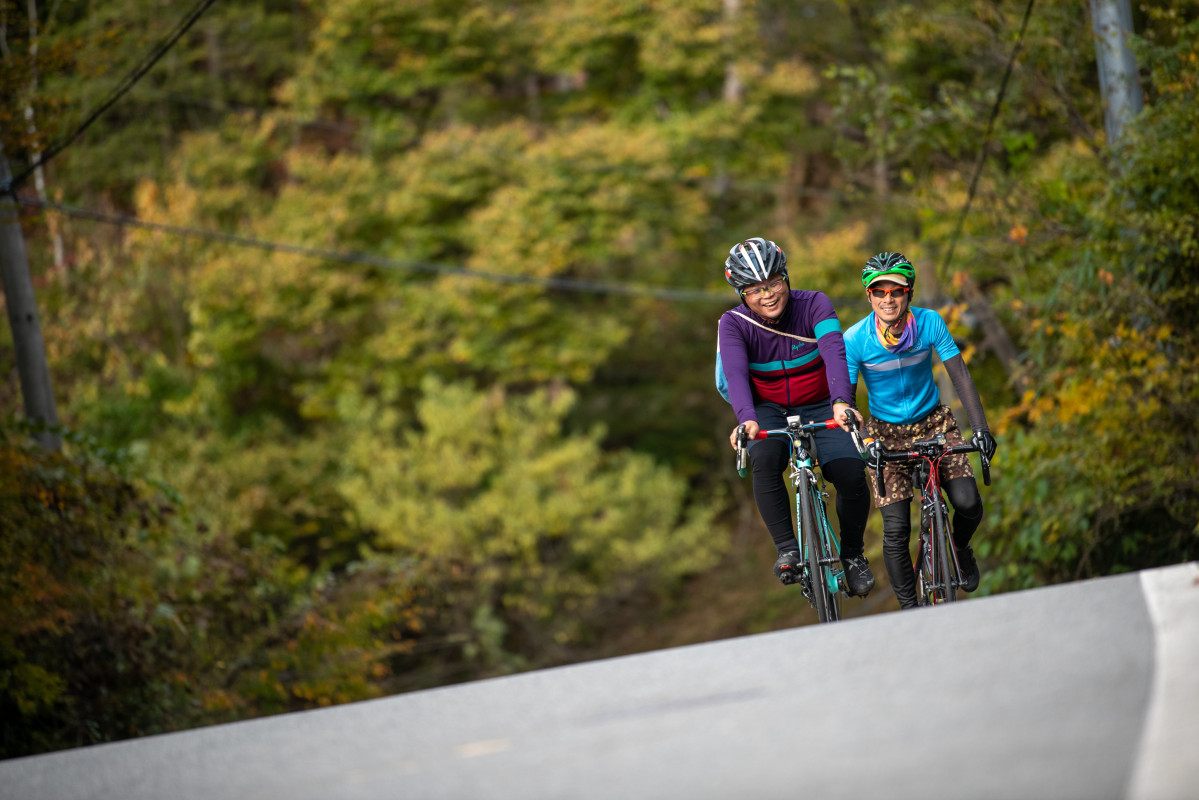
column 1166, row 768
column 483, row 748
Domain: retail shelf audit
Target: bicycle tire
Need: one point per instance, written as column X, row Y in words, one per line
column 944, row 570
column 825, row 607
column 827, row 556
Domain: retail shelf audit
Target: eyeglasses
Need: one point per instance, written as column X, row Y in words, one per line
column 770, row 288
column 898, row 292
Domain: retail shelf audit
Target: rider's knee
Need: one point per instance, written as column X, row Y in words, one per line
column 897, row 525
column 970, row 510
column 848, row 476
column 768, row 456
column 964, row 497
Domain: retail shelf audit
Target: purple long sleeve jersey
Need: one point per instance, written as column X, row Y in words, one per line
column 761, row 365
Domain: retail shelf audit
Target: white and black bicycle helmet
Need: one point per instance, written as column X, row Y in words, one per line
column 753, row 261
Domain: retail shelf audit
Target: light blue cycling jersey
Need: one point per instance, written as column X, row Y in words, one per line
column 901, row 385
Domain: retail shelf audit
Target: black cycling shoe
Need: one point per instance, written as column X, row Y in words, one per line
column 786, row 568
column 969, row 567
column 858, row 576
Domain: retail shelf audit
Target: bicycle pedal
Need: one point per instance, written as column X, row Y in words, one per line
column 788, row 577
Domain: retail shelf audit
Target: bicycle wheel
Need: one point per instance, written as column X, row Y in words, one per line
column 827, row 608
column 944, row 569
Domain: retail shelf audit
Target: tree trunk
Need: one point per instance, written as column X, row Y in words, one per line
column 212, row 47
column 1112, row 22
column 39, row 172
column 732, row 81
column 722, row 183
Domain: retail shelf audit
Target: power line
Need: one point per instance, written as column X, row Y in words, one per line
column 982, row 153
column 560, row 284
column 124, row 86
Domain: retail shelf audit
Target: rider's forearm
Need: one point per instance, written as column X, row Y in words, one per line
column 963, row 384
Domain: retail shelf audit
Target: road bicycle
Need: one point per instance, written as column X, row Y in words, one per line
column 821, row 576
column 938, row 573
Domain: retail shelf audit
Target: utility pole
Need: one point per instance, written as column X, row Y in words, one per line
column 22, row 316
column 1111, row 20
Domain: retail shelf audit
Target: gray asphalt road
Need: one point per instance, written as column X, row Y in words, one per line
column 1086, row 690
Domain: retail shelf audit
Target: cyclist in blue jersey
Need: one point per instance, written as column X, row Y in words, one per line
column 892, row 350
column 780, row 354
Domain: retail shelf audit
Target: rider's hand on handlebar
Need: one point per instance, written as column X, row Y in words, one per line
column 751, row 432
column 986, row 443
column 839, row 412
column 874, row 451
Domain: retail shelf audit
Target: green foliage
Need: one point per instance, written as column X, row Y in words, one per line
column 1104, row 440
column 126, row 616
column 535, row 523
column 407, row 67
column 171, row 622
column 93, row 641
column 1099, row 477
column 1154, row 195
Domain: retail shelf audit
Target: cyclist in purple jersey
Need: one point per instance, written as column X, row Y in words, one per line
column 780, row 354
column 892, row 350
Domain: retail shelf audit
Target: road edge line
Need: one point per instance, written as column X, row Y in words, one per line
column 1165, row 765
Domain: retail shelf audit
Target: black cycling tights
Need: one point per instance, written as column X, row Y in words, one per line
column 897, row 533
column 769, row 459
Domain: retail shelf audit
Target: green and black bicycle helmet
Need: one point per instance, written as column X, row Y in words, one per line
column 893, row 267
column 753, row 261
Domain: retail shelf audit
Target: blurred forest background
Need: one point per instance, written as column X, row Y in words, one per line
column 439, row 405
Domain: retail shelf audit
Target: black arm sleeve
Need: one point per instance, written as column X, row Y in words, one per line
column 963, row 384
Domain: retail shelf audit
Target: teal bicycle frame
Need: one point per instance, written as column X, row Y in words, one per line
column 822, row 577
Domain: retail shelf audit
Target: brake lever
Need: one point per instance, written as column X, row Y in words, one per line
column 878, row 476
column 742, row 451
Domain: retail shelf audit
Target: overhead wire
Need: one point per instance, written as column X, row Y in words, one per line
column 982, row 153
column 368, row 259
column 124, row 86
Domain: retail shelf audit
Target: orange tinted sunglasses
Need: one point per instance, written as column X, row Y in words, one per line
column 898, row 292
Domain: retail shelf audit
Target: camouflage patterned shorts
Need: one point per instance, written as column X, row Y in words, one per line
column 897, row 476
